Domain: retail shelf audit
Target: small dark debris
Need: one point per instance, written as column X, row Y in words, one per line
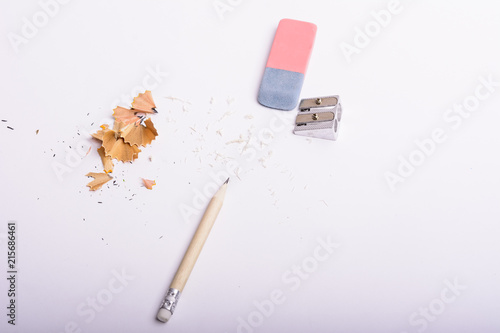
column 10, row 128
column 99, row 202
column 37, row 132
column 54, row 155
column 3, row 120
column 160, row 237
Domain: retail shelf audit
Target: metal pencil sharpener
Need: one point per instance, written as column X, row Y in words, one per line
column 319, row 117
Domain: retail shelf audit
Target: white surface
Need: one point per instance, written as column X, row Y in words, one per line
column 397, row 248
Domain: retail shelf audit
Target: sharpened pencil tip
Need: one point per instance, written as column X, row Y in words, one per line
column 227, row 181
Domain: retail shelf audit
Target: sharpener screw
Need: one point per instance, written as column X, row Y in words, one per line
column 315, row 116
column 318, row 101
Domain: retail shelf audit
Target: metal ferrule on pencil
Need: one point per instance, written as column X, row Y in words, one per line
column 170, row 301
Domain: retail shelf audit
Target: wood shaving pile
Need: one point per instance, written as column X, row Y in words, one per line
column 132, row 129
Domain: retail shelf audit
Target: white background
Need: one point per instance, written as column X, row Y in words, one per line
column 397, row 247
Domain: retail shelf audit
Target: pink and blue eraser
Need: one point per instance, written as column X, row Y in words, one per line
column 287, row 64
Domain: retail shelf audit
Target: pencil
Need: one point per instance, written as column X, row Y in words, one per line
column 200, row 236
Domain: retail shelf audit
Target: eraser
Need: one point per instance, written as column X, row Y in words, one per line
column 287, row 64
column 163, row 315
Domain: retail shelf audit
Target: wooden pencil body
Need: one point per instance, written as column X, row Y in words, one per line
column 198, row 240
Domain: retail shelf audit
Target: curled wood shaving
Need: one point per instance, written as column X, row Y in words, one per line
column 107, row 161
column 144, row 102
column 118, row 126
column 115, row 147
column 99, row 180
column 148, row 183
column 125, row 116
column 100, row 133
column 139, row 135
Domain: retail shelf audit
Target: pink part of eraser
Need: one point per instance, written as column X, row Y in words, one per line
column 292, row 46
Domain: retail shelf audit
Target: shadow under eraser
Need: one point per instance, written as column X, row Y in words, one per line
column 287, row 64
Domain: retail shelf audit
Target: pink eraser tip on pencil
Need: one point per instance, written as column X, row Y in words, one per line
column 287, row 64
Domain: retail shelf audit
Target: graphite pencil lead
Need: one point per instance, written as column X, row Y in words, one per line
column 227, row 181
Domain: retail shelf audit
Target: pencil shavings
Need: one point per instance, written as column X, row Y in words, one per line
column 131, row 129
column 118, row 126
column 139, row 135
column 144, row 102
column 148, row 183
column 107, row 161
column 100, row 133
column 125, row 116
column 99, row 180
column 115, row 147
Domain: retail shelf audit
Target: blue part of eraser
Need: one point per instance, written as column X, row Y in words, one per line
column 280, row 89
